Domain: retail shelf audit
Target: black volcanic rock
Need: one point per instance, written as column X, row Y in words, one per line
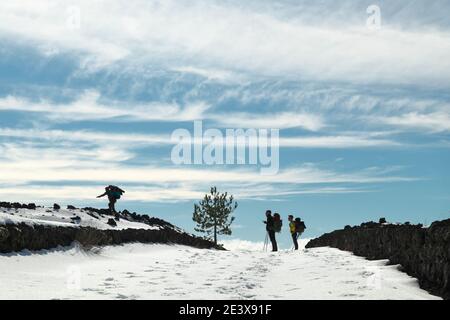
column 4, row 234
column 31, row 206
column 56, row 206
column 112, row 222
column 22, row 236
column 75, row 219
column 16, row 205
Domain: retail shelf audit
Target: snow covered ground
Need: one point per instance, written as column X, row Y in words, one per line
column 138, row 271
column 65, row 218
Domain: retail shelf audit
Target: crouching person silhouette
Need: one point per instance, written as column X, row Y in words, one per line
column 114, row 193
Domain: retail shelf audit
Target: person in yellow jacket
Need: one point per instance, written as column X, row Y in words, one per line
column 294, row 232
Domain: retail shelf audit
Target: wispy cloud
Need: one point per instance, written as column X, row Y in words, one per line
column 284, row 66
column 34, row 169
column 431, row 122
column 65, row 170
column 198, row 34
column 126, row 140
column 275, row 120
column 87, row 107
column 337, row 142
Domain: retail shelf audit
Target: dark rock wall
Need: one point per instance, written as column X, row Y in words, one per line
column 424, row 253
column 17, row 237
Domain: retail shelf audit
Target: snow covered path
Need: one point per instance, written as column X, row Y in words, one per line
column 138, row 271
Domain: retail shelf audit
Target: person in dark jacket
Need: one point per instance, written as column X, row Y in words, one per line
column 114, row 193
column 271, row 230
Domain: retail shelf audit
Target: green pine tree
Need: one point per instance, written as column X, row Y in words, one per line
column 212, row 214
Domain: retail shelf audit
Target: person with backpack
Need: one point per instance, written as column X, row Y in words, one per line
column 273, row 224
column 114, row 193
column 297, row 227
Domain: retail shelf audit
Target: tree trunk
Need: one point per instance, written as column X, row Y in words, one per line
column 215, row 232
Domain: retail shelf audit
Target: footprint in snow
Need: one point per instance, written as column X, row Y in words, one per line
column 367, row 274
column 349, row 282
column 250, row 285
column 94, row 290
column 148, row 282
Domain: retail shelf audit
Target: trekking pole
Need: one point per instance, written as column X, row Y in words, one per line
column 265, row 243
column 266, row 240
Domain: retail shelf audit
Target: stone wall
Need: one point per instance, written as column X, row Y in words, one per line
column 423, row 253
column 17, row 237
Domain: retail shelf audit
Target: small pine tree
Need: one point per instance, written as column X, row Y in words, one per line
column 212, row 214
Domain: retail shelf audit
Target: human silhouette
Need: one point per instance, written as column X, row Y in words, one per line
column 114, row 193
column 270, row 228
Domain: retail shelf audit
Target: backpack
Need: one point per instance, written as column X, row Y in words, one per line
column 277, row 222
column 115, row 192
column 299, row 225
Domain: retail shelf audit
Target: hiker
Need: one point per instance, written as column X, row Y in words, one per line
column 293, row 230
column 297, row 227
column 273, row 224
column 114, row 193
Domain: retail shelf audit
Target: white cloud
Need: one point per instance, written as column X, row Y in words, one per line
column 432, row 122
column 66, row 170
column 242, row 47
column 38, row 193
column 154, row 193
column 34, row 155
column 266, row 120
column 211, row 74
column 87, row 107
column 31, row 170
column 30, row 162
column 337, row 142
column 263, row 42
column 121, row 140
column 117, row 146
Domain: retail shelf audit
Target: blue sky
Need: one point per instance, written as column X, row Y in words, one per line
column 364, row 115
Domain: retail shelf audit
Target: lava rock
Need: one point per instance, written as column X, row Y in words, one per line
column 370, row 224
column 112, row 222
column 3, row 234
column 31, row 206
column 56, row 207
column 75, row 219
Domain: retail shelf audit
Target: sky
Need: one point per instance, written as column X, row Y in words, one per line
column 92, row 91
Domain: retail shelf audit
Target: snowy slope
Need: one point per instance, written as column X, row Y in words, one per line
column 138, row 271
column 63, row 218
